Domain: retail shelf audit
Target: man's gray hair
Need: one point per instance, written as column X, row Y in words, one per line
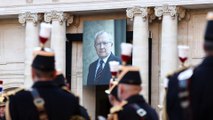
column 104, row 32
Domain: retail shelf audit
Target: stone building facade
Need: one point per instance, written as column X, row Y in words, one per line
column 172, row 22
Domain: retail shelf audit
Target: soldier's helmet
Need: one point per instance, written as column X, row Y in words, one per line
column 44, row 58
column 130, row 75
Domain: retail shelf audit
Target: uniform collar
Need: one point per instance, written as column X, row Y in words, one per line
column 44, row 84
column 136, row 99
column 208, row 60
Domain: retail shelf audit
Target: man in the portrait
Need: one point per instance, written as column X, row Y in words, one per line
column 99, row 71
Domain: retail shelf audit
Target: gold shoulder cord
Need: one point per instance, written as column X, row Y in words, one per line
column 39, row 103
column 112, row 116
column 7, row 112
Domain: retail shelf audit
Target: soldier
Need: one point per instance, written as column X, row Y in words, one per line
column 173, row 103
column 189, row 90
column 113, row 97
column 44, row 100
column 134, row 106
column 60, row 82
column 115, row 102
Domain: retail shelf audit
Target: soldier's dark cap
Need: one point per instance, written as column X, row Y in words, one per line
column 130, row 75
column 208, row 37
column 44, row 59
column 60, row 80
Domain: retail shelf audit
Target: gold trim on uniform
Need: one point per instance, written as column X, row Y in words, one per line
column 7, row 111
column 13, row 92
column 118, row 107
column 113, row 111
column 177, row 71
column 77, row 117
column 113, row 116
column 124, row 70
column 67, row 90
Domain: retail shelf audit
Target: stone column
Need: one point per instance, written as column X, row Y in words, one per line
column 168, row 55
column 169, row 60
column 29, row 20
column 140, row 43
column 58, row 37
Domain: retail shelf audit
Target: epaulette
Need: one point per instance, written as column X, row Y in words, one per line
column 67, row 90
column 118, row 108
column 168, row 77
column 13, row 92
column 177, row 71
column 186, row 74
column 76, row 117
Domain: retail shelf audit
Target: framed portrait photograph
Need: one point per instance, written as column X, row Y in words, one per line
column 101, row 44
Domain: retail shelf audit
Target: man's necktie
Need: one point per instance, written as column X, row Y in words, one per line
column 99, row 71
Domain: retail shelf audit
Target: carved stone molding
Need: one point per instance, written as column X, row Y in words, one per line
column 165, row 10
column 29, row 1
column 76, row 21
column 187, row 15
column 173, row 11
column 69, row 18
column 54, row 15
column 28, row 16
column 181, row 13
column 72, row 20
column 151, row 15
column 143, row 11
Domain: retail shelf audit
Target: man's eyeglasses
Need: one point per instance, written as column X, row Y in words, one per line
column 102, row 43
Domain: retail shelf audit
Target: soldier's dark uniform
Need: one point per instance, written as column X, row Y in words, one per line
column 202, row 80
column 60, row 82
column 129, row 112
column 202, row 90
column 59, row 104
column 174, row 109
column 199, row 86
column 135, row 107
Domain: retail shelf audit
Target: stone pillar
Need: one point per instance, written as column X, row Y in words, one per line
column 29, row 20
column 168, row 55
column 140, row 43
column 169, row 60
column 58, row 37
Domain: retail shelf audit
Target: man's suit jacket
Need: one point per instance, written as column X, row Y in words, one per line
column 106, row 74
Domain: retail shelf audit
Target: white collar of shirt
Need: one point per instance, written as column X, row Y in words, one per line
column 105, row 60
